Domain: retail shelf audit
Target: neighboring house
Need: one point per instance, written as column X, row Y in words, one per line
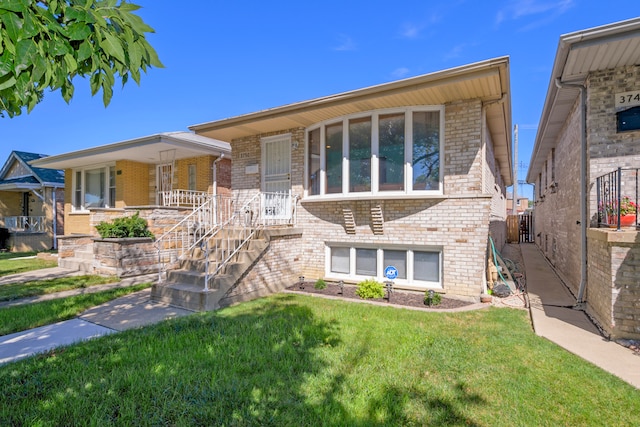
column 590, row 127
column 522, row 205
column 409, row 174
column 162, row 177
column 30, row 204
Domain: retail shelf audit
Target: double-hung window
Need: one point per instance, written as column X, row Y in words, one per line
column 94, row 188
column 393, row 151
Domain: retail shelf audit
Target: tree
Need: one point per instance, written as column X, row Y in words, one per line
column 45, row 44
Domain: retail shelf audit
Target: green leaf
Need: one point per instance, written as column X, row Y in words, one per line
column 107, row 93
column 84, row 51
column 13, row 5
column 59, row 47
column 29, row 27
column 13, row 25
column 39, row 68
column 72, row 65
column 7, row 81
column 6, row 63
column 78, row 31
column 81, row 15
column 135, row 55
column 26, row 53
column 112, row 47
column 67, row 90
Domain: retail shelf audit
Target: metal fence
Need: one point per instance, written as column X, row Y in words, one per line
column 617, row 198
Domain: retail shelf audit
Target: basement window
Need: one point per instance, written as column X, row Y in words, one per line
column 419, row 267
column 628, row 120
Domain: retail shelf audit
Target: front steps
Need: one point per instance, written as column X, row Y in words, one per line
column 82, row 260
column 185, row 287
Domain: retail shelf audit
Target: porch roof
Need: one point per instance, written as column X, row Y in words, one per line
column 487, row 81
column 152, row 149
column 579, row 54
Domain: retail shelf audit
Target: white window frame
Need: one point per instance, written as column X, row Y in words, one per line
column 375, row 148
column 409, row 283
column 107, row 169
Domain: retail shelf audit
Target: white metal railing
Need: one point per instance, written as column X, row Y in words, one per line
column 24, row 224
column 176, row 241
column 260, row 211
column 184, row 198
column 220, row 213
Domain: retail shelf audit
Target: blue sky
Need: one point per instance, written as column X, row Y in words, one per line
column 225, row 58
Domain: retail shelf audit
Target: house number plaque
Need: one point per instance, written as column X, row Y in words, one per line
column 628, row 99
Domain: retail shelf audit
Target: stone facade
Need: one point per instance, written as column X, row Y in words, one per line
column 124, row 257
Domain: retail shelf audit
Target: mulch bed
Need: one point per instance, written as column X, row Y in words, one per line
column 401, row 298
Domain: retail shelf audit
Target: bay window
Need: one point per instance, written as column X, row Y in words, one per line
column 392, row 151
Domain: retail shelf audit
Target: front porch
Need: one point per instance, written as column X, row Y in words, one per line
column 203, row 255
column 25, row 234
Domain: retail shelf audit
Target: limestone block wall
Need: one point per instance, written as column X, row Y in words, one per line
column 613, row 293
column 124, row 257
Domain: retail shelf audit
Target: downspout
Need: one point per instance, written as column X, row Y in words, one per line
column 55, row 217
column 483, row 151
column 583, row 188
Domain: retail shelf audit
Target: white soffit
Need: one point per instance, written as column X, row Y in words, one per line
column 153, row 149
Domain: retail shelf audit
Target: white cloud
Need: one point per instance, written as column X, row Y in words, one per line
column 399, row 73
column 542, row 11
column 345, row 43
column 410, row 31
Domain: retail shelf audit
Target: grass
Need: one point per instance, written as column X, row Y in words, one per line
column 23, row 317
column 297, row 360
column 14, row 291
column 10, row 265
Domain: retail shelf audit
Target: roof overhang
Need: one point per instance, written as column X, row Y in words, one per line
column 487, row 81
column 579, row 54
column 20, row 186
column 153, row 149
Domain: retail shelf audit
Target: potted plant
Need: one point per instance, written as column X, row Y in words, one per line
column 628, row 211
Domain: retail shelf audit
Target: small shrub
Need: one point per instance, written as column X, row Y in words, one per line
column 320, row 284
column 132, row 226
column 370, row 288
column 436, row 299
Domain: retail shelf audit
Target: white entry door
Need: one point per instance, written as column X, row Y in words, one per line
column 164, row 184
column 276, row 177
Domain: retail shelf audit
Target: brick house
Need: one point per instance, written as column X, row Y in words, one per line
column 409, row 174
column 30, row 204
column 590, row 125
column 161, row 177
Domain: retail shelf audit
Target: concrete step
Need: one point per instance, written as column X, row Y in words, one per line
column 77, row 264
column 187, row 296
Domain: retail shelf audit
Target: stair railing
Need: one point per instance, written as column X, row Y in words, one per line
column 173, row 245
column 232, row 235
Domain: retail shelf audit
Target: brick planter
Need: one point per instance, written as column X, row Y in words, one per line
column 125, row 257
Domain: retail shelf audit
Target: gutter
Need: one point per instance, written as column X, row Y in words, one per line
column 583, row 188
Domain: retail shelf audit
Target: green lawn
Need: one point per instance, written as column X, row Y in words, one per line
column 13, row 291
column 20, row 262
column 28, row 316
column 291, row 360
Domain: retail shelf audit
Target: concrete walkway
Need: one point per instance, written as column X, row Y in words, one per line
column 131, row 311
column 554, row 318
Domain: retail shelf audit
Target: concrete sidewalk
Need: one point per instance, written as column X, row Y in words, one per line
column 131, row 311
column 554, row 318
